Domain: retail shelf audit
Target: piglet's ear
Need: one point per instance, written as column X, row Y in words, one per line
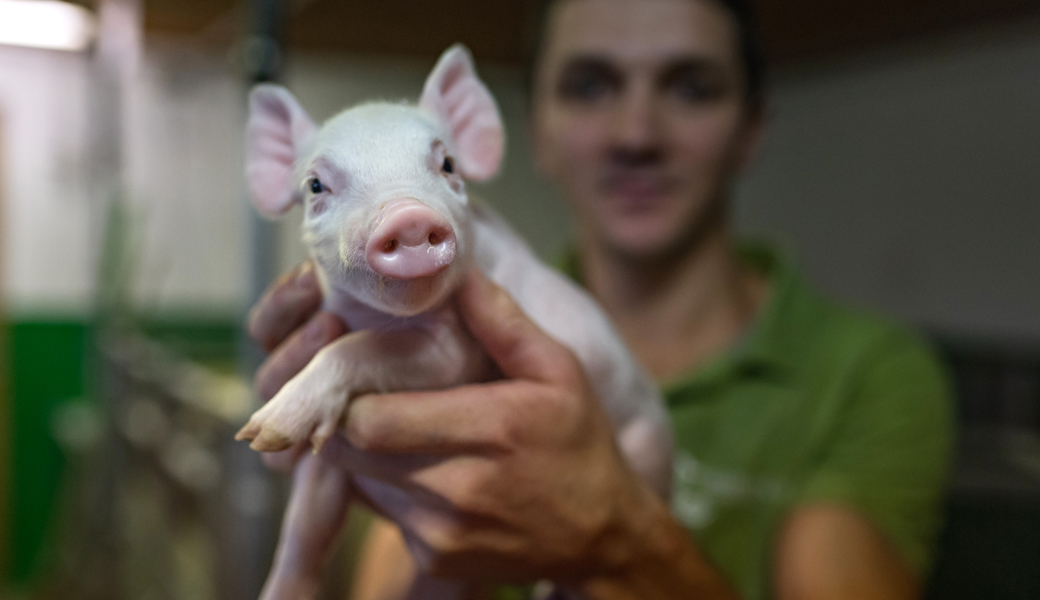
column 455, row 94
column 277, row 132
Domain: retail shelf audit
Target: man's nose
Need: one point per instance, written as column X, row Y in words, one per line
column 636, row 126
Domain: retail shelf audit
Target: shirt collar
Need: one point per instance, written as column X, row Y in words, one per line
column 770, row 347
column 771, row 340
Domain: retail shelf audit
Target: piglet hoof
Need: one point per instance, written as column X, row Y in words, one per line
column 294, row 416
column 264, row 439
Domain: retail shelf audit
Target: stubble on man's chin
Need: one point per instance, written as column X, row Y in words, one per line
column 712, row 221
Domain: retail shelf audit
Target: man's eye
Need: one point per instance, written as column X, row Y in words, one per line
column 448, row 166
column 316, row 186
column 694, row 85
column 692, row 90
column 587, row 88
column 587, row 84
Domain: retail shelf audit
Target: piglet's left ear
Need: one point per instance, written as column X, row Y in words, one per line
column 278, row 132
column 454, row 93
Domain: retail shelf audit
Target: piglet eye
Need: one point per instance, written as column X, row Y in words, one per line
column 316, row 186
column 449, row 166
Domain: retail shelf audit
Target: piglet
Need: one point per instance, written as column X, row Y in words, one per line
column 391, row 231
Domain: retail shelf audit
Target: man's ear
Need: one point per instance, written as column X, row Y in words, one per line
column 455, row 94
column 277, row 132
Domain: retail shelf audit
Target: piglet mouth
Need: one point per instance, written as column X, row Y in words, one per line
column 410, row 240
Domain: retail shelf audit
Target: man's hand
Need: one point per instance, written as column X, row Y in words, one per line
column 288, row 323
column 519, row 476
column 520, row 479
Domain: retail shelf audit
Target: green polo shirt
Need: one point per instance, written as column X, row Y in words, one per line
column 818, row 404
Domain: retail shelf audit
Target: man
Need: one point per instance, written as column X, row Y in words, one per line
column 811, row 441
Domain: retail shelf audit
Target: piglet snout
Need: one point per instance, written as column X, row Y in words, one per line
column 410, row 240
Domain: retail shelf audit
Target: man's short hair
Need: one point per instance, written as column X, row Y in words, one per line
column 744, row 16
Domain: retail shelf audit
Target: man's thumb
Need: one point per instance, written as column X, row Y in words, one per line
column 519, row 347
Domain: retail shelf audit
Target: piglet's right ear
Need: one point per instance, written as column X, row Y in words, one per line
column 277, row 132
column 455, row 94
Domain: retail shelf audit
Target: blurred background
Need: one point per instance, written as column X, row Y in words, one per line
column 902, row 170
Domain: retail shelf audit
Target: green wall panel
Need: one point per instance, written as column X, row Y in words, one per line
column 50, row 362
column 47, row 369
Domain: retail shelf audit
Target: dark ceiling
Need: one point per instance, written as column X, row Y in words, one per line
column 495, row 30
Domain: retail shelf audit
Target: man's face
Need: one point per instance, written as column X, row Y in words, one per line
column 639, row 114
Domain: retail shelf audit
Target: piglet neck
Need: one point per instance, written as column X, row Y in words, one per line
column 360, row 316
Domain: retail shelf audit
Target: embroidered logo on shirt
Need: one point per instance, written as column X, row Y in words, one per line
column 701, row 490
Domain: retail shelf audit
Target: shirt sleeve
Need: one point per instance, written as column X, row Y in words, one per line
column 889, row 454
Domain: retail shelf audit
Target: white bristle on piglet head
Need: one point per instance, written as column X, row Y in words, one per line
column 385, row 206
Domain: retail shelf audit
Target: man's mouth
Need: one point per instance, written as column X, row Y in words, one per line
column 637, row 191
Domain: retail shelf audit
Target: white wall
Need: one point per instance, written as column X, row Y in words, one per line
column 906, row 181
column 45, row 235
column 910, row 181
column 184, row 169
column 183, row 148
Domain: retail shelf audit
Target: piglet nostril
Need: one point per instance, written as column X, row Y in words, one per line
column 436, row 238
column 390, row 246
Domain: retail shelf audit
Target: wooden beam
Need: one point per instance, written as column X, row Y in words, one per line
column 797, row 30
column 793, row 30
column 494, row 31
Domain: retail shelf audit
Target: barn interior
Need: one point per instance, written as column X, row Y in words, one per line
column 900, row 170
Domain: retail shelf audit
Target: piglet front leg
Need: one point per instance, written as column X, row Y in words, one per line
column 313, row 404
column 313, row 520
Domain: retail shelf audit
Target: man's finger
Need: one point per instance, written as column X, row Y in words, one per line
column 285, row 306
column 472, row 419
column 292, row 356
column 393, row 469
column 519, row 347
column 420, row 494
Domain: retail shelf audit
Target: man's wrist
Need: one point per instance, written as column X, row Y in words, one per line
column 651, row 555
